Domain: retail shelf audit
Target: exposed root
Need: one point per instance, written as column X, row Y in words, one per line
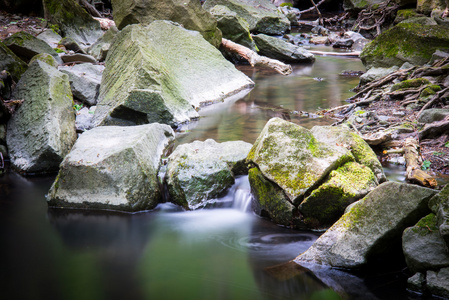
column 375, row 16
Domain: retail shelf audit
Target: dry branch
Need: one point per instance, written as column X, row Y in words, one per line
column 413, row 162
column 255, row 59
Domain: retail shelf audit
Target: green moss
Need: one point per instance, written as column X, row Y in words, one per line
column 406, row 13
column 426, row 225
column 430, row 90
column 410, row 83
column 286, row 4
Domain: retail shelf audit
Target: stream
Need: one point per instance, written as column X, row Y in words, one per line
column 168, row 253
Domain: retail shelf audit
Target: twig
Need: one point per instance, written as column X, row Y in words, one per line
column 313, row 7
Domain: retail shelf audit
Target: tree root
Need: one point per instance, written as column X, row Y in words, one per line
column 375, row 16
column 413, row 162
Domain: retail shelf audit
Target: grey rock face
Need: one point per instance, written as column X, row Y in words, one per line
column 438, row 282
column 11, row 62
column 85, row 80
column 433, row 114
column 370, row 226
column 100, row 49
column 201, row 171
column 42, row 131
column 164, row 90
column 113, row 168
column 282, row 50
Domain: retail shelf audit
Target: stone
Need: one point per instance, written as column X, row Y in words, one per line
column 11, row 62
column 319, row 40
column 345, row 185
column 443, row 214
column 46, row 58
column 85, row 80
column 281, row 50
column 261, row 15
column 26, row 46
column 420, row 20
column 291, row 157
column 417, row 282
column 438, row 282
column 200, row 172
column 78, row 57
column 165, row 90
column 371, row 227
column 358, row 5
column 418, row 43
column 423, row 247
column 189, row 13
column 84, row 118
column 112, row 167
column 343, row 43
column 443, row 195
column 433, row 115
column 71, row 45
column 427, row 6
column 438, row 55
column 233, row 27
column 404, row 14
column 73, row 20
column 100, row 49
column 376, row 73
column 292, row 13
column 363, row 154
column 42, row 131
column 51, row 37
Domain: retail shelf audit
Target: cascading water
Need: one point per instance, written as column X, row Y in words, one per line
column 242, row 194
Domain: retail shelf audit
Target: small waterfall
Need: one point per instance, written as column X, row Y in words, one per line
column 242, row 195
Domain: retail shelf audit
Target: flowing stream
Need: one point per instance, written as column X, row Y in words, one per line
column 168, row 253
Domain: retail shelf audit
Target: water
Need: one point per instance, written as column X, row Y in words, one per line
column 168, row 253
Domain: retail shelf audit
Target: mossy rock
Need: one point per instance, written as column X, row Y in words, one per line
column 427, row 6
column 404, row 14
column 290, row 156
column 420, row 20
column 46, row 58
column 410, row 84
column 11, row 62
column 410, row 42
column 327, row 203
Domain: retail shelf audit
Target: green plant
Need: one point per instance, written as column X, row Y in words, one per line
column 426, row 165
column 446, row 144
column 286, row 4
column 438, row 153
column 77, row 107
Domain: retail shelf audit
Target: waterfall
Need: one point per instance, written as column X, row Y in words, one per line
column 242, row 195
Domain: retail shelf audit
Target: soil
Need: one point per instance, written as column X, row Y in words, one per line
column 12, row 23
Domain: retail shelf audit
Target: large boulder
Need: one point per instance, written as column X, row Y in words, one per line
column 371, row 227
column 261, row 15
column 427, row 6
column 342, row 135
column 189, row 13
column 73, row 20
column 291, row 157
column 42, row 130
column 26, row 46
column 418, row 43
column 281, row 50
column 11, row 62
column 152, row 77
column 202, row 171
column 100, row 49
column 113, row 167
column 85, row 81
column 232, row 26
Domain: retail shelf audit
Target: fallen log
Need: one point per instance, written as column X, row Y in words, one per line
column 255, row 59
column 413, row 162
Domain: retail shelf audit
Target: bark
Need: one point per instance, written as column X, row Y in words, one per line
column 255, row 59
column 413, row 162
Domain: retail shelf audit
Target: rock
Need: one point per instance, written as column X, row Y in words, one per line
column 281, row 50
column 320, row 30
column 202, row 171
column 261, row 15
column 26, row 46
column 427, row 6
column 418, row 43
column 100, row 49
column 46, row 58
column 233, row 27
column 433, row 115
column 290, row 156
column 437, row 56
column 327, row 203
column 166, row 90
column 443, row 195
column 73, row 21
column 42, row 130
column 112, row 167
column 443, row 213
column 370, row 227
column 376, row 73
column 319, row 40
column 85, row 81
column 420, row 20
column 343, row 43
column 438, row 282
column 270, row 201
column 189, row 13
column 78, row 57
column 404, row 14
column 417, row 282
column 84, row 118
column 341, row 135
column 423, row 247
column 358, row 5
column 51, row 37
column 292, row 13
column 11, row 62
column 71, row 44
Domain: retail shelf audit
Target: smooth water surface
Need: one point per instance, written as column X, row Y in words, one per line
column 168, row 253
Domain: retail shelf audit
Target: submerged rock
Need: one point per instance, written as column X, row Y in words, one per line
column 261, row 15
column 284, row 51
column 112, row 167
column 418, row 43
column 188, row 13
column 42, row 131
column 371, row 227
column 151, row 77
column 26, row 46
column 202, row 171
